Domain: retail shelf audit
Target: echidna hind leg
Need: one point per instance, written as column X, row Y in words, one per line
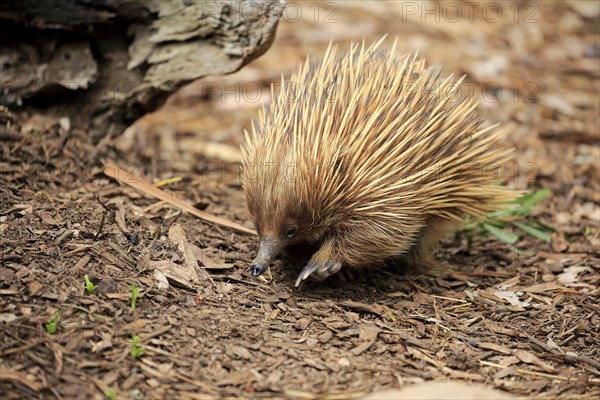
column 419, row 259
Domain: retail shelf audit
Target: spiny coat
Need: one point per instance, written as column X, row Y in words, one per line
column 368, row 158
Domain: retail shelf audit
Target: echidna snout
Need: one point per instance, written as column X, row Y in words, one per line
column 268, row 249
column 257, row 269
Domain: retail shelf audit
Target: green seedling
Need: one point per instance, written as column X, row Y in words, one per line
column 135, row 292
column 110, row 394
column 136, row 348
column 52, row 325
column 89, row 286
column 497, row 223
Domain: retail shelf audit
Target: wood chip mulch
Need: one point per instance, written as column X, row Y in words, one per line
column 525, row 323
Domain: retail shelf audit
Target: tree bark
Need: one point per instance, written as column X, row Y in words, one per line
column 111, row 61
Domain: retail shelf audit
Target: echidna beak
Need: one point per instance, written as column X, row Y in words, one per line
column 269, row 248
column 257, row 269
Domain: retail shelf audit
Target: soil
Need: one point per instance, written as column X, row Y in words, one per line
column 523, row 322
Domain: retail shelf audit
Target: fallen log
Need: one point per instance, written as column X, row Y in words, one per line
column 111, row 61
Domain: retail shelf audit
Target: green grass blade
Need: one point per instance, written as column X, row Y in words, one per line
column 535, row 197
column 504, row 236
column 543, row 226
column 533, row 231
column 500, row 214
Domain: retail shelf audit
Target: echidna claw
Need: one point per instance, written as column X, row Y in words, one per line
column 318, row 271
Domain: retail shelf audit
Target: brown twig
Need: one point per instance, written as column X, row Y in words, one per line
column 126, row 178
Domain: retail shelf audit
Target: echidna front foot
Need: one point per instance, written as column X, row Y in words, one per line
column 322, row 264
column 318, row 271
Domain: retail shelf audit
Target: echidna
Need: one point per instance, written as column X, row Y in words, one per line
column 367, row 159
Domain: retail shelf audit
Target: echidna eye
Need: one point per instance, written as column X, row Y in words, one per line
column 291, row 232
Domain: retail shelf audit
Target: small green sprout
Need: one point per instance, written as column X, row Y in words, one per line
column 89, row 286
column 52, row 325
column 110, row 394
column 135, row 292
column 136, row 348
column 515, row 217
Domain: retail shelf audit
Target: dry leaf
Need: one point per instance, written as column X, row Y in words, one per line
column 162, row 283
column 240, row 352
column 207, row 260
column 126, row 178
column 508, row 361
column 175, row 274
column 7, row 318
column 368, row 335
column 529, row 358
column 371, row 308
column 569, row 277
column 512, row 298
column 543, row 287
column 177, row 235
column 495, row 347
